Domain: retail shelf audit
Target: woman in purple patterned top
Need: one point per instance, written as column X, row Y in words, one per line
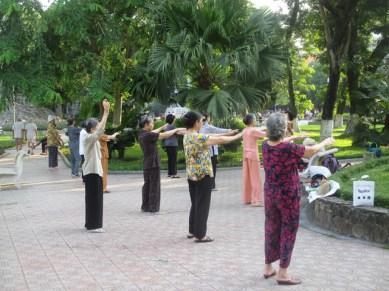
column 282, row 199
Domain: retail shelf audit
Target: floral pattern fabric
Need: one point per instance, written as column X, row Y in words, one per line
column 282, row 200
column 197, row 156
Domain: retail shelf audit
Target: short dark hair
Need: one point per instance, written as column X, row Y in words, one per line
column 90, row 123
column 249, row 119
column 170, row 118
column 144, row 121
column 190, row 118
column 291, row 116
column 71, row 121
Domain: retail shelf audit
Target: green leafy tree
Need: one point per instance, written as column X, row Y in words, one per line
column 95, row 45
column 222, row 56
column 24, row 57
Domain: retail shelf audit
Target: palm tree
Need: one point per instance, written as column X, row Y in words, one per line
column 222, row 55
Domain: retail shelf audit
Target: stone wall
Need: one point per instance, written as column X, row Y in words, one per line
column 338, row 215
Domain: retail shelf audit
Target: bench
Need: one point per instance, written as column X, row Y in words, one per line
column 14, row 173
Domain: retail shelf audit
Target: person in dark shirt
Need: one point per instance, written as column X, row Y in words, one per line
column 148, row 137
column 74, row 136
column 171, row 145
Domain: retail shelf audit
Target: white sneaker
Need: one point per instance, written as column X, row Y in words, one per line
column 97, row 230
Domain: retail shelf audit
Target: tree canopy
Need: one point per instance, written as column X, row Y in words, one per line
column 219, row 56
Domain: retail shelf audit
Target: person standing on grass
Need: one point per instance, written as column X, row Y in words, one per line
column 93, row 171
column 31, row 134
column 148, row 137
column 73, row 133
column 171, row 145
column 252, row 185
column 208, row 128
column 200, row 173
column 104, row 139
column 18, row 133
column 53, row 142
column 83, row 134
column 282, row 199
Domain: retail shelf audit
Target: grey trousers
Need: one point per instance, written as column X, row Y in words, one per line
column 75, row 158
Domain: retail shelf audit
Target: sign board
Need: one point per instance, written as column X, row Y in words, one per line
column 363, row 193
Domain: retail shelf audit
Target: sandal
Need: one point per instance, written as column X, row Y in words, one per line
column 205, row 239
column 267, row 276
column 291, row 281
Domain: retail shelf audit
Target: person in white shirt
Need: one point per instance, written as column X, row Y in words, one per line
column 18, row 133
column 93, row 172
column 31, row 134
column 83, row 134
column 209, row 129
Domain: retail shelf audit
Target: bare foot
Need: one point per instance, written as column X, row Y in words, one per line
column 269, row 271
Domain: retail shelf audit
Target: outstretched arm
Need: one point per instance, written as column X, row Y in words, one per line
column 294, row 137
column 158, row 130
column 311, row 150
column 169, row 133
column 213, row 140
column 227, row 133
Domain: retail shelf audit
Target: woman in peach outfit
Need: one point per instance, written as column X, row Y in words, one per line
column 104, row 139
column 252, row 193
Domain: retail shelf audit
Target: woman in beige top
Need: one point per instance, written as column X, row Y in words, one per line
column 93, row 172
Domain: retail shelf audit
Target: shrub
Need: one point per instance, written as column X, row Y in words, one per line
column 232, row 123
column 363, row 134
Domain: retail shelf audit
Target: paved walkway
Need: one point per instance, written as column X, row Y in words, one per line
column 43, row 245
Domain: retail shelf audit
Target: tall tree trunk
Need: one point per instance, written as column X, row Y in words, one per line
column 353, row 74
column 336, row 17
column 329, row 104
column 338, row 123
column 294, row 10
column 117, row 110
column 386, row 123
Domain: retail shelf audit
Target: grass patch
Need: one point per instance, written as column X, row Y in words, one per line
column 346, row 149
column 378, row 171
column 133, row 157
column 6, row 142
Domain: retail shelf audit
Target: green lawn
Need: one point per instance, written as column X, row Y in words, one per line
column 346, row 149
column 378, row 171
column 133, row 156
column 6, row 141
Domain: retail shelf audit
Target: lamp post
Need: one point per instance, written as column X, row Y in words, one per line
column 14, row 102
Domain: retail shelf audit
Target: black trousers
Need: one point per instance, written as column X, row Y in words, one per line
column 53, row 156
column 82, row 161
column 151, row 191
column 93, row 201
column 172, row 160
column 44, row 144
column 200, row 197
column 214, row 166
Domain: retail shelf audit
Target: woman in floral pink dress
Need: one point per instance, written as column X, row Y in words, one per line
column 251, row 164
column 282, row 199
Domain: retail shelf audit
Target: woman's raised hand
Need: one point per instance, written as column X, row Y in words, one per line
column 106, row 105
column 329, row 141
